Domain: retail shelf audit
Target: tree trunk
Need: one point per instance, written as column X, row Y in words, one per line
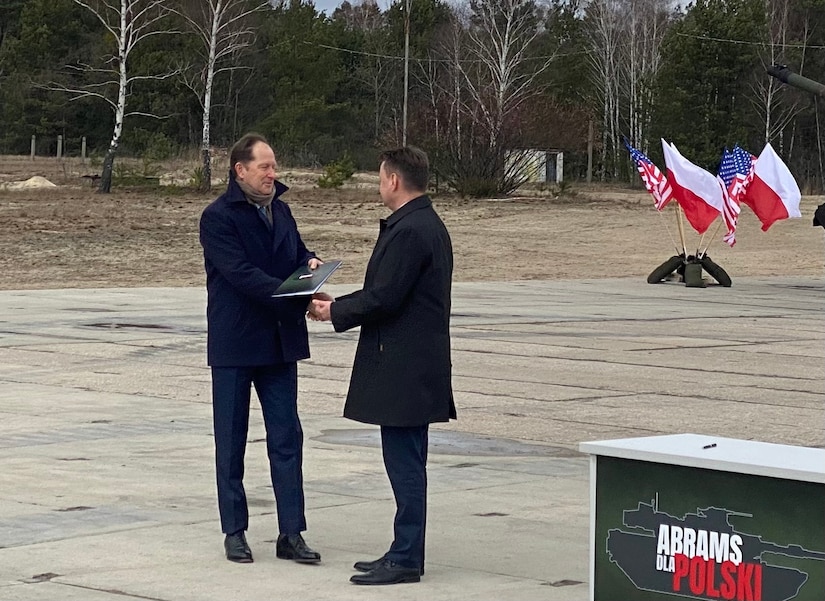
column 206, row 181
column 106, row 175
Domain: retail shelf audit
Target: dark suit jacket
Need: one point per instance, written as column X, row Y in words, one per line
column 401, row 374
column 245, row 263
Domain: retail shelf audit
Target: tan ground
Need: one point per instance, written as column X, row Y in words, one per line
column 70, row 236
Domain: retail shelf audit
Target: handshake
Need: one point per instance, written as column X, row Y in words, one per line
column 318, row 307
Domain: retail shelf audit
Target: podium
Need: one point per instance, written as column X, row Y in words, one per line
column 704, row 517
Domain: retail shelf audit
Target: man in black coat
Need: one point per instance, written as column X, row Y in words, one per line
column 401, row 374
column 250, row 245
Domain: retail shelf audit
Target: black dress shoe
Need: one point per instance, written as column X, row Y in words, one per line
column 387, row 572
column 236, row 548
column 292, row 546
column 369, row 566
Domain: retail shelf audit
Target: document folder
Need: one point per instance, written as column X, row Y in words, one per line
column 305, row 281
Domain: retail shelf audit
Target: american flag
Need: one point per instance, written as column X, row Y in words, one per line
column 735, row 173
column 654, row 180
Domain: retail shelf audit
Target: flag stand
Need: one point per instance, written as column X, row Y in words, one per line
column 689, row 267
column 690, row 271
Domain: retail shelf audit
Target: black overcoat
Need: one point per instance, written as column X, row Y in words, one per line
column 245, row 262
column 401, row 373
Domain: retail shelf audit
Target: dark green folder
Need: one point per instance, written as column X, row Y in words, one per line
column 306, row 281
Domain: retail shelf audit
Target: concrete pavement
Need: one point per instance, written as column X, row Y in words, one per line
column 106, row 468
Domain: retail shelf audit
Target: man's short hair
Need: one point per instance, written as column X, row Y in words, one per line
column 411, row 164
column 242, row 150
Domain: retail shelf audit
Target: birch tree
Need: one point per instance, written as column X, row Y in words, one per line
column 500, row 38
column 768, row 92
column 440, row 78
column 487, row 84
column 127, row 23
column 428, row 73
column 223, row 29
column 647, row 23
column 606, row 20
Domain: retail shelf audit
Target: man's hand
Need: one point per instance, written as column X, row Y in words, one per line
column 319, row 309
column 321, row 296
column 313, row 263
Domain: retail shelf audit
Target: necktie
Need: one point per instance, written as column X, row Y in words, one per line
column 266, row 213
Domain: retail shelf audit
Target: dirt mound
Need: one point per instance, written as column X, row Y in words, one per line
column 30, row 184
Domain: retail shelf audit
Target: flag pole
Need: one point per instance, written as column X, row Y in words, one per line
column 712, row 237
column 681, row 229
column 669, row 235
column 698, row 246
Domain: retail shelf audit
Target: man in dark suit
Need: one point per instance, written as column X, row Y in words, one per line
column 401, row 374
column 250, row 245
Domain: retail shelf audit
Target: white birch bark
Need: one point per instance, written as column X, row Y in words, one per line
column 500, row 37
column 647, row 25
column 127, row 22
column 224, row 29
column 606, row 31
column 494, row 70
column 769, row 95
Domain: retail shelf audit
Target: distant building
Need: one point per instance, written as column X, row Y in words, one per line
column 530, row 165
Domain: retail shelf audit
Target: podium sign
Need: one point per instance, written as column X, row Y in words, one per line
column 697, row 517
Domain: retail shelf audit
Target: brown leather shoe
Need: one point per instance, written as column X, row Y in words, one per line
column 388, row 572
column 292, row 546
column 236, row 548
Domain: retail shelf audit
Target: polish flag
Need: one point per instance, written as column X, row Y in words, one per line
column 697, row 191
column 773, row 193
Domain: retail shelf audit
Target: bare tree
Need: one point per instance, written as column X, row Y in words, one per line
column 492, row 70
column 444, row 80
column 127, row 22
column 647, row 23
column 427, row 74
column 377, row 69
column 223, row 29
column 440, row 77
column 606, row 31
column 500, row 38
column 768, row 92
column 806, row 27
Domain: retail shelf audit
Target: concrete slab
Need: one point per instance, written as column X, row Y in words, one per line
column 107, row 485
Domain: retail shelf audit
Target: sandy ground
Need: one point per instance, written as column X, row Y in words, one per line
column 71, row 236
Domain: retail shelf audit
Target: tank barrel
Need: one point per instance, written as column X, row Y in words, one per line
column 782, row 73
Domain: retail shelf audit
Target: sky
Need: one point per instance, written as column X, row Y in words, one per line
column 327, row 6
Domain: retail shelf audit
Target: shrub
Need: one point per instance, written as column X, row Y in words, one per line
column 196, row 178
column 337, row 172
column 565, row 188
column 478, row 187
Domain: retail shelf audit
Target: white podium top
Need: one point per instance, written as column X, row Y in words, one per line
column 716, row 453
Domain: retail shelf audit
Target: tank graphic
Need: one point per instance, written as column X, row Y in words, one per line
column 702, row 556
